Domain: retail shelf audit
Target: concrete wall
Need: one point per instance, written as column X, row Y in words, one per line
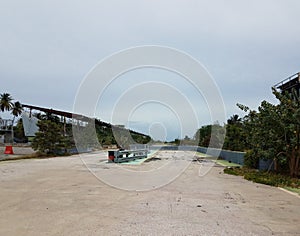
column 236, row 157
column 265, row 164
column 231, row 156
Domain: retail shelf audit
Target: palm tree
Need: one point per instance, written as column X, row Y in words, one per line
column 16, row 110
column 235, row 119
column 5, row 102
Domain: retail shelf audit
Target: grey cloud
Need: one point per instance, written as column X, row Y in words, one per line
column 47, row 47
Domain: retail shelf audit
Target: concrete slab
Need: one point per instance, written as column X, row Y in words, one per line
column 59, row 196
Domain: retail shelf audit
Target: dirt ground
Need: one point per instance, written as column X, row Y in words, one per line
column 60, row 196
column 17, row 150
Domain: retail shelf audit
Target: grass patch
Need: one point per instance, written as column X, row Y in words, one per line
column 205, row 156
column 233, row 171
column 264, row 177
column 227, row 163
column 294, row 190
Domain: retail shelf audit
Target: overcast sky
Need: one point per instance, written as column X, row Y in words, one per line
column 48, row 47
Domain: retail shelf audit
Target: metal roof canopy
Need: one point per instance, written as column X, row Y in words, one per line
column 289, row 83
column 75, row 116
column 57, row 112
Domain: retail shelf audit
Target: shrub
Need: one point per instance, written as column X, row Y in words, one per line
column 50, row 139
column 264, row 177
column 251, row 159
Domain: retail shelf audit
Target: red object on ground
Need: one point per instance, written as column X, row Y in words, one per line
column 111, row 155
column 9, row 150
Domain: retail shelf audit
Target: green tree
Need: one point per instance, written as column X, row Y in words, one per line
column 16, row 110
column 50, row 139
column 273, row 132
column 235, row 138
column 176, row 141
column 210, row 135
column 19, row 131
column 203, row 134
column 5, row 102
column 262, row 132
column 289, row 111
column 50, row 116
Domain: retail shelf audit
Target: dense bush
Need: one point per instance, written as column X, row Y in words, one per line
column 251, row 159
column 273, row 132
column 264, row 177
column 50, row 138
